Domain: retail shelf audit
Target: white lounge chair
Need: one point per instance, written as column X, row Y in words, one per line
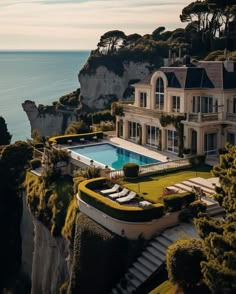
column 119, row 194
column 127, row 198
column 114, row 189
column 144, row 203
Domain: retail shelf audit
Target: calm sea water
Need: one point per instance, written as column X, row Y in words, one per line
column 39, row 76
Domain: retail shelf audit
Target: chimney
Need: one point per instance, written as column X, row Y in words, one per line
column 179, row 53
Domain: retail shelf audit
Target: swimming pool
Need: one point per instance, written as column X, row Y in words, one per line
column 112, row 155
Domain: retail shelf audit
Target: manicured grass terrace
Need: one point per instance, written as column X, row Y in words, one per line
column 151, row 187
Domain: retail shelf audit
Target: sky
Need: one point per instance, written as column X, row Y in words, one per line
column 78, row 24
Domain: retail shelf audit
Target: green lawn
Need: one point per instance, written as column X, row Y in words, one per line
column 164, row 288
column 151, row 187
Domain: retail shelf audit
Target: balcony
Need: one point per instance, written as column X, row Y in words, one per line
column 202, row 117
column 231, row 117
column 153, row 113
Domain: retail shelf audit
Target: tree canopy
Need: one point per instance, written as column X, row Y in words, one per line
column 183, row 260
column 111, row 41
column 211, row 19
column 219, row 235
column 5, row 136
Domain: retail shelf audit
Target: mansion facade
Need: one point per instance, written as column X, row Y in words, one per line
column 178, row 108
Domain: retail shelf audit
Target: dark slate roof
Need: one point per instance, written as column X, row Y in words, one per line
column 206, row 75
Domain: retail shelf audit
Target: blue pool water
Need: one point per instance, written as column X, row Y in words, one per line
column 112, row 155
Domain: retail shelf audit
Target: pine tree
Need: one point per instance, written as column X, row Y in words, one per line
column 219, row 235
column 5, row 137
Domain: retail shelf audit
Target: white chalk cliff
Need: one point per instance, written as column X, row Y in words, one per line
column 96, row 88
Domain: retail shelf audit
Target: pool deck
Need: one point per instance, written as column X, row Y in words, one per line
column 144, row 150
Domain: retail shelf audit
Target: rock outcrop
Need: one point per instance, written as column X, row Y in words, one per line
column 99, row 88
column 48, row 121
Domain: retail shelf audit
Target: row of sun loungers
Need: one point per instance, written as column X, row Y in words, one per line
column 122, row 196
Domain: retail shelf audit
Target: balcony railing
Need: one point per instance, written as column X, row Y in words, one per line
column 231, row 116
column 154, row 168
column 154, row 113
column 202, row 117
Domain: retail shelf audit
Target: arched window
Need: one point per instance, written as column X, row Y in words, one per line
column 159, row 94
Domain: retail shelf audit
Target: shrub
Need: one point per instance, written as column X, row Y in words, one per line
column 177, row 201
column 131, row 170
column 185, row 216
column 183, row 261
column 197, row 160
column 196, row 207
column 35, row 163
column 186, row 151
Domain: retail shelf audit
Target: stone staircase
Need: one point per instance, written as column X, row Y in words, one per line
column 150, row 261
column 215, row 210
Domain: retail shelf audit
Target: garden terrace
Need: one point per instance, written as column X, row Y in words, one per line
column 131, row 219
column 89, row 192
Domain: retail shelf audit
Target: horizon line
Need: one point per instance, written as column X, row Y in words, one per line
column 43, row 50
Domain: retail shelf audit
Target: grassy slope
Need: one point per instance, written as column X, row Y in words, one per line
column 54, row 205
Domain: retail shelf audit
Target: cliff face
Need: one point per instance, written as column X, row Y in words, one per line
column 45, row 259
column 27, row 240
column 48, row 122
column 49, row 266
column 98, row 88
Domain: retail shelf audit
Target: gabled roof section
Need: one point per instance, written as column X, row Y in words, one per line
column 206, row 75
column 214, row 70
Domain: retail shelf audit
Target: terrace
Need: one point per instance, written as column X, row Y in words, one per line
column 150, row 209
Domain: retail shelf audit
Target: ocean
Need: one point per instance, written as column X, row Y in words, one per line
column 42, row 77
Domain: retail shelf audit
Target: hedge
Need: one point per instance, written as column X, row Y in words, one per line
column 131, row 170
column 75, row 137
column 112, row 208
column 176, row 202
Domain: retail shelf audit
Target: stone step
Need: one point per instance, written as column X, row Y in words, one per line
column 203, row 183
column 121, row 290
column 155, row 252
column 131, row 289
column 135, row 282
column 163, row 241
column 183, row 187
column 158, row 246
column 152, row 258
column 147, row 263
column 142, row 268
column 199, row 185
column 215, row 209
column 138, row 274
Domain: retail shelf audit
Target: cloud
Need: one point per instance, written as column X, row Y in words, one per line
column 47, row 24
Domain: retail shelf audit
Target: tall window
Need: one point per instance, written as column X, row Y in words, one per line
column 172, row 141
column 152, row 136
column 159, row 103
column 234, row 105
column 202, row 104
column 231, row 138
column 175, row 103
column 143, row 99
column 133, row 131
column 210, row 143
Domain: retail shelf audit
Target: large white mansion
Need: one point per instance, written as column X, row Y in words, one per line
column 202, row 97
